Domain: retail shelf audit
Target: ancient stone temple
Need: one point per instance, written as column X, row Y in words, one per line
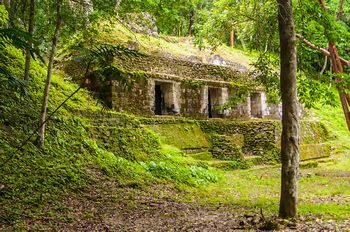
column 168, row 86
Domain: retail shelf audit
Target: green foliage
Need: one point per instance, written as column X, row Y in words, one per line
column 97, row 63
column 125, row 172
column 4, row 16
column 236, row 164
column 239, row 95
column 267, row 77
column 244, row 17
column 319, row 27
column 11, row 69
column 193, row 175
column 35, row 180
column 311, row 89
column 312, row 92
column 172, row 17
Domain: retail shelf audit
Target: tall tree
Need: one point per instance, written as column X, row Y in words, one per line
column 41, row 131
column 30, row 42
column 290, row 124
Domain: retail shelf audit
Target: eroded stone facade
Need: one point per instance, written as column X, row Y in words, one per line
column 166, row 86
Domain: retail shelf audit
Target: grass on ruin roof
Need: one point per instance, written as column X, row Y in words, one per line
column 177, row 47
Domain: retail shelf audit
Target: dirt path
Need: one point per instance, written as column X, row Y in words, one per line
column 109, row 208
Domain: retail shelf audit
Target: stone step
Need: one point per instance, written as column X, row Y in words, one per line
column 205, row 156
column 316, row 162
column 228, row 165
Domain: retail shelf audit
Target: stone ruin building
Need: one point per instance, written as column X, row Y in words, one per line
column 168, row 86
column 164, row 86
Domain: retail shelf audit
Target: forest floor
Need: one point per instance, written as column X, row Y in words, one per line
column 245, row 200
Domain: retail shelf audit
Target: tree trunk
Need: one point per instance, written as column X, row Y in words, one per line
column 11, row 21
column 30, row 42
column 190, row 26
column 117, row 6
column 41, row 131
column 232, row 39
column 340, row 9
column 290, row 125
column 338, row 68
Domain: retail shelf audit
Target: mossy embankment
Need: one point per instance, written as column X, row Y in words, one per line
column 82, row 145
column 256, row 141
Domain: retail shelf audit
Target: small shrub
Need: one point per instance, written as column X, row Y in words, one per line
column 192, row 175
column 233, row 165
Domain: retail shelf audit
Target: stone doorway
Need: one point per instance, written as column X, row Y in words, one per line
column 214, row 101
column 165, row 100
column 256, row 105
column 159, row 100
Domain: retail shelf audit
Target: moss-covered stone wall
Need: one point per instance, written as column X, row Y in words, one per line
column 186, row 136
column 259, row 137
column 192, row 99
column 136, row 99
column 178, row 68
column 123, row 135
column 314, row 138
column 226, row 147
column 229, row 140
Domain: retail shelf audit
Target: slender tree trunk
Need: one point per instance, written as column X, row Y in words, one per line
column 30, row 42
column 340, row 9
column 338, row 68
column 290, row 124
column 41, row 131
column 190, row 26
column 11, row 21
column 117, row 6
column 232, row 39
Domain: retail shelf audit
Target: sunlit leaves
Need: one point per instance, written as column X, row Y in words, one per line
column 3, row 15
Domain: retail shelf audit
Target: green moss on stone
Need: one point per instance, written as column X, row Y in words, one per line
column 227, row 147
column 314, row 151
column 193, row 84
column 258, row 136
column 183, row 135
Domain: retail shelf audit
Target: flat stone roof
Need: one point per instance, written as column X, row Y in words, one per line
column 180, row 69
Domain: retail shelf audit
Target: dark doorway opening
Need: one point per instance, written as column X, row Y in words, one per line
column 214, row 97
column 210, row 107
column 158, row 100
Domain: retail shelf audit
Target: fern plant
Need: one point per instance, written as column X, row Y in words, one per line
column 99, row 66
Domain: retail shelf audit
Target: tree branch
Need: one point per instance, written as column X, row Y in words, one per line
column 322, row 50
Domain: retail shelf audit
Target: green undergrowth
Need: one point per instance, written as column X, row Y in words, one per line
column 323, row 184
column 35, row 182
column 323, row 191
column 333, row 119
